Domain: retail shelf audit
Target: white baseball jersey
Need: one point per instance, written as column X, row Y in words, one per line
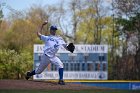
column 52, row 44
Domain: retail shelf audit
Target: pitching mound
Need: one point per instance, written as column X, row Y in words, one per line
column 45, row 85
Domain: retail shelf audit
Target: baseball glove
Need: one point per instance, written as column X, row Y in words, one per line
column 71, row 47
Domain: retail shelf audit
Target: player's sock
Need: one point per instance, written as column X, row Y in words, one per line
column 32, row 73
column 60, row 73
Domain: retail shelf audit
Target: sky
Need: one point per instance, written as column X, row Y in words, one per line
column 23, row 5
column 20, row 5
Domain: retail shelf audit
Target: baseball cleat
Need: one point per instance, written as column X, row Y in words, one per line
column 27, row 75
column 61, row 82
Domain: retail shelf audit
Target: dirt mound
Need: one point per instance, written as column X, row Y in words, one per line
column 45, row 85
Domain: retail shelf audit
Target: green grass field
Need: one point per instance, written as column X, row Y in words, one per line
column 70, row 91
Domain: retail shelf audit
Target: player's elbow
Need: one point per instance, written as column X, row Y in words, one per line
column 38, row 34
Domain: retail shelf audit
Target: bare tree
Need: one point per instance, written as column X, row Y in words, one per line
column 128, row 11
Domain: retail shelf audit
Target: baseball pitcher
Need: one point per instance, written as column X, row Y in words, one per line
column 52, row 44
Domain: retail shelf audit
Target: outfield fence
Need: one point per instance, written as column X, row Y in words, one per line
column 127, row 85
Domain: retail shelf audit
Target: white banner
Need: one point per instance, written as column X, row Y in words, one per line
column 38, row 48
column 73, row 75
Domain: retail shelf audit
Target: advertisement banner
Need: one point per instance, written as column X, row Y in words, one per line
column 73, row 75
column 135, row 86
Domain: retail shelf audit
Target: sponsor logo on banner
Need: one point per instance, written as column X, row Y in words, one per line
column 135, row 86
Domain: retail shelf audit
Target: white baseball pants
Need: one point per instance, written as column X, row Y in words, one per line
column 45, row 61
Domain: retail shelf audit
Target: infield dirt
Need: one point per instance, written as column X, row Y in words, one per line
column 45, row 85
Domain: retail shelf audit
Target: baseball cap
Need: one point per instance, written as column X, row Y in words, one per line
column 53, row 27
